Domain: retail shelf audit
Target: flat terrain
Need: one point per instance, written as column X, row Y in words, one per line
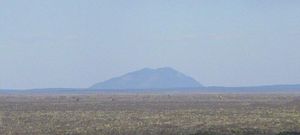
column 149, row 114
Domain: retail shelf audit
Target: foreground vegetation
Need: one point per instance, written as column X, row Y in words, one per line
column 151, row 114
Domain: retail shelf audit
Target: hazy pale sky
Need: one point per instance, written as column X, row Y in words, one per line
column 76, row 43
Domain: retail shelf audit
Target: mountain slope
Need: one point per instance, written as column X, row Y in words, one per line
column 161, row 78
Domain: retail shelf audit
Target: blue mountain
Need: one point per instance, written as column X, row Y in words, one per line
column 147, row 78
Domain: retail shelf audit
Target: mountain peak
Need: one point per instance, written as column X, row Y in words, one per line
column 169, row 69
column 158, row 69
column 147, row 78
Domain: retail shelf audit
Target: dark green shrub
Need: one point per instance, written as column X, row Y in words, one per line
column 289, row 133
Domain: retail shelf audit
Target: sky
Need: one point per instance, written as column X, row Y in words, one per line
column 76, row 43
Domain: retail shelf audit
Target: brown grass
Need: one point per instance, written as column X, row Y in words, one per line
column 151, row 114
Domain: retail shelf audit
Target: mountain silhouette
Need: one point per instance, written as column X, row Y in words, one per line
column 147, row 78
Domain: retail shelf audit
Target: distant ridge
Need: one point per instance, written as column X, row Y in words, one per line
column 284, row 88
column 147, row 78
column 262, row 88
column 159, row 80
